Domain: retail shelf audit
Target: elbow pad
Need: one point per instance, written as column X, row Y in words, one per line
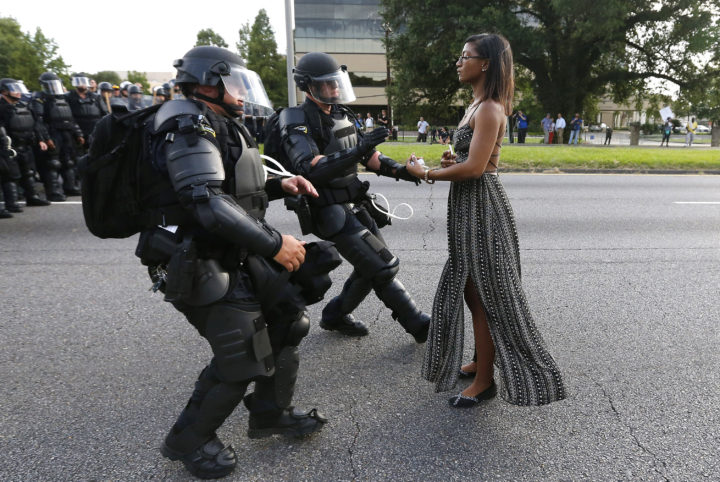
column 220, row 215
column 332, row 166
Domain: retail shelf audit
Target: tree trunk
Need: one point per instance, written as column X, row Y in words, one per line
column 634, row 135
column 715, row 135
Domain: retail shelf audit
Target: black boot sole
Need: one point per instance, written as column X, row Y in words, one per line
column 296, row 432
column 344, row 329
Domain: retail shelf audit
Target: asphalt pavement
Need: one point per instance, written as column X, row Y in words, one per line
column 621, row 271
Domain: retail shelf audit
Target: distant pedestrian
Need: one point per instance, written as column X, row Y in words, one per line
column 575, row 126
column 422, row 127
column 369, row 123
column 560, row 128
column 546, row 124
column 690, row 127
column 551, row 135
column 666, row 131
column 522, row 126
column 512, row 121
column 608, row 135
column 383, row 120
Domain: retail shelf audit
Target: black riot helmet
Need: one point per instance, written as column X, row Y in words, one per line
column 105, row 87
column 218, row 67
column 319, row 75
column 51, row 84
column 80, row 81
column 13, row 88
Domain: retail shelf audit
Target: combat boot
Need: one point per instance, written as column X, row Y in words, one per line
column 31, row 197
column 287, row 421
column 210, row 460
column 10, row 193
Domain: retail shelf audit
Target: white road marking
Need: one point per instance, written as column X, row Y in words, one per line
column 696, row 202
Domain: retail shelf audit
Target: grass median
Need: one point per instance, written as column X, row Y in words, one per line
column 541, row 157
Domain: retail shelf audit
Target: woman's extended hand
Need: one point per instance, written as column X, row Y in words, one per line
column 448, row 159
column 414, row 167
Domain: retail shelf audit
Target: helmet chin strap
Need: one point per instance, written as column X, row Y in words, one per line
column 232, row 111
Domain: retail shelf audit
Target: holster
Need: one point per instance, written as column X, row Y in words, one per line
column 180, row 271
column 380, row 218
column 300, row 205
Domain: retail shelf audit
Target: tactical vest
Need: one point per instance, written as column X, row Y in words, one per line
column 88, row 108
column 249, row 176
column 22, row 123
column 58, row 113
column 343, row 135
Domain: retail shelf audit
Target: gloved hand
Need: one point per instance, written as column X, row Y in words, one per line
column 402, row 173
column 368, row 141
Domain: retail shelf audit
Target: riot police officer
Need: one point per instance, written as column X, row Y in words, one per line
column 86, row 106
column 321, row 142
column 135, row 98
column 161, row 93
column 106, row 94
column 51, row 107
column 205, row 163
column 25, row 132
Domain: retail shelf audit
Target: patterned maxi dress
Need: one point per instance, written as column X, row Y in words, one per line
column 483, row 245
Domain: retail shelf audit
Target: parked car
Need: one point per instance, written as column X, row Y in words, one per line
column 702, row 129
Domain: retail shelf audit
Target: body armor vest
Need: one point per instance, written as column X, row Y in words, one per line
column 249, row 177
column 343, row 135
column 88, row 109
column 22, row 123
column 59, row 115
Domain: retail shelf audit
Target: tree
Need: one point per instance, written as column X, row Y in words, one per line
column 575, row 50
column 139, row 77
column 207, row 36
column 258, row 47
column 25, row 57
column 107, row 76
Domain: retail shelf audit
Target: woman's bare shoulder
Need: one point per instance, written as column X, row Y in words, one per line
column 490, row 110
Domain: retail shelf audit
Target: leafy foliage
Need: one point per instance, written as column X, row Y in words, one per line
column 207, row 36
column 574, row 50
column 107, row 76
column 258, row 47
column 25, row 57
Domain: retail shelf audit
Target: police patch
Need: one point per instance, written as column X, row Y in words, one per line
column 302, row 129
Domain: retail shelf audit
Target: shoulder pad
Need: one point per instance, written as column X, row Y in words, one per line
column 293, row 118
column 175, row 108
column 292, row 115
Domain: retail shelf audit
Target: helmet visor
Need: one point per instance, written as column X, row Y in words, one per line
column 16, row 88
column 52, row 87
column 246, row 85
column 80, row 82
column 333, row 88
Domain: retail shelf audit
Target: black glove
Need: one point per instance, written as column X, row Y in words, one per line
column 402, row 173
column 368, row 141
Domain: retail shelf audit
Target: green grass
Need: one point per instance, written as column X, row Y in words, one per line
column 566, row 157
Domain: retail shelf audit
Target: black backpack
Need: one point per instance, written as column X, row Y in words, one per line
column 110, row 187
column 273, row 142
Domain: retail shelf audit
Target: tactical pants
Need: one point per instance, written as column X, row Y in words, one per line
column 269, row 357
column 61, row 160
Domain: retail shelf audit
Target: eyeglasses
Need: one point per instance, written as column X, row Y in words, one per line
column 463, row 58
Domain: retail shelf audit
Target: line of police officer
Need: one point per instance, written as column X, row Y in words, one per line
column 43, row 134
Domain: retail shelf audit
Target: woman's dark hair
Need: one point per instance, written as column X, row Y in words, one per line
column 499, row 81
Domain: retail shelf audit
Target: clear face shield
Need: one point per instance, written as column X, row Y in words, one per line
column 81, row 82
column 333, row 88
column 52, row 87
column 246, row 85
column 16, row 89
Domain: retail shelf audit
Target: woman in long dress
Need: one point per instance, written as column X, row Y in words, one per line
column 483, row 266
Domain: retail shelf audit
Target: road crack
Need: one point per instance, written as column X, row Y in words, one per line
column 634, row 436
column 351, row 448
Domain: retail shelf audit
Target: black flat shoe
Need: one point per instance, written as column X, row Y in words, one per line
column 211, row 460
column 347, row 325
column 463, row 374
column 463, row 401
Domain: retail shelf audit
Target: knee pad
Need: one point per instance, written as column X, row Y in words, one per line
column 366, row 252
column 298, row 330
column 240, row 342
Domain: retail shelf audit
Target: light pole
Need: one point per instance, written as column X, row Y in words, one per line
column 290, row 51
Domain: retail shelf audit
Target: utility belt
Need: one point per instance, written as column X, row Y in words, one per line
column 340, row 195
